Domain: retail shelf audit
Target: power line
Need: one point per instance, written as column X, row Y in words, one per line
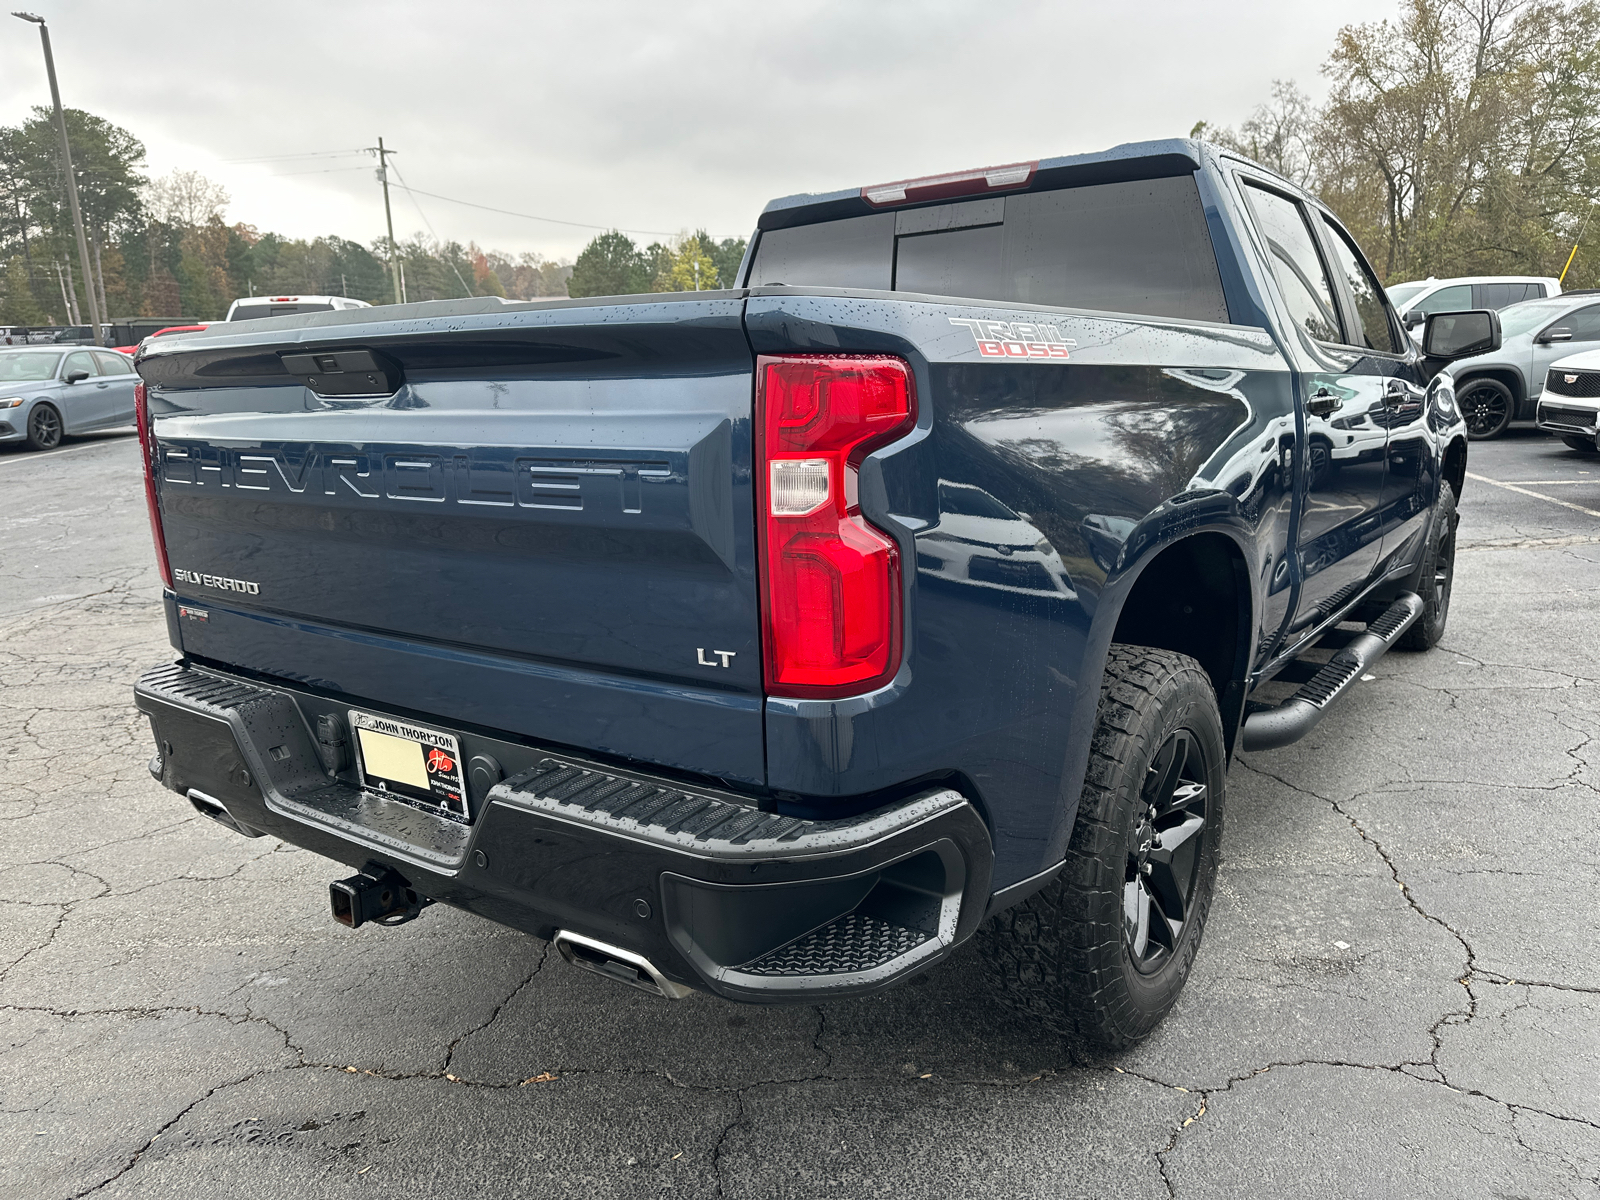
column 431, row 232
column 552, row 220
column 317, row 171
column 415, row 192
column 308, row 154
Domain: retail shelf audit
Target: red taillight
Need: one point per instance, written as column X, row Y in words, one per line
column 147, row 443
column 830, row 582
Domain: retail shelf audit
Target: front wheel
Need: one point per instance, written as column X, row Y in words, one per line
column 1583, row 445
column 1436, row 576
column 1102, row 952
column 1486, row 405
column 44, row 428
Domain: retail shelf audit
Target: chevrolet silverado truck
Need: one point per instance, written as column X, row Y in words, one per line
column 772, row 642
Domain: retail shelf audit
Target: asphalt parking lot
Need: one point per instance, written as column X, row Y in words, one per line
column 1399, row 994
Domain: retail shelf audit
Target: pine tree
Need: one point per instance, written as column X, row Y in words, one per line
column 18, row 306
column 610, row 265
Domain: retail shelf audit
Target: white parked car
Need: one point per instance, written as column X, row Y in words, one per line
column 981, row 541
column 1416, row 299
column 1569, row 406
column 250, row 308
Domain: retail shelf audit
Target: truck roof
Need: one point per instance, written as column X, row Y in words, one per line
column 1131, row 160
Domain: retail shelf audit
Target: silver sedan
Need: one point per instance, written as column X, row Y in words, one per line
column 48, row 394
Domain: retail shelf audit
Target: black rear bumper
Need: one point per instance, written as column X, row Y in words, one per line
column 713, row 891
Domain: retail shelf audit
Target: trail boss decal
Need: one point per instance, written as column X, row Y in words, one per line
column 1017, row 339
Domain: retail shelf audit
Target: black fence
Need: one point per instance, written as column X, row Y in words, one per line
column 123, row 331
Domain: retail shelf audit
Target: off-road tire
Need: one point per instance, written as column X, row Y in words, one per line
column 44, row 427
column 1062, row 956
column 1435, row 578
column 1583, row 445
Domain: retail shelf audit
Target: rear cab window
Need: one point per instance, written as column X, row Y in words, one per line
column 1138, row 247
column 251, row 312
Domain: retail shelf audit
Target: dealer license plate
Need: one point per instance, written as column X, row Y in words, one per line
column 404, row 761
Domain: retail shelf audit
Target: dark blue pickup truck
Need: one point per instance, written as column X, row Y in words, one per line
column 773, row 641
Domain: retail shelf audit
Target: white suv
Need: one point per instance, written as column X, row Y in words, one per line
column 1569, row 406
column 249, row 308
column 1415, row 300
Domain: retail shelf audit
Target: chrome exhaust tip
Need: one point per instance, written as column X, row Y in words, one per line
column 617, row 964
column 210, row 806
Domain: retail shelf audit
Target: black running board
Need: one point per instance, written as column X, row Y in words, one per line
column 1297, row 716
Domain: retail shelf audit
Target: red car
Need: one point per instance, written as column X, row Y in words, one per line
column 161, row 333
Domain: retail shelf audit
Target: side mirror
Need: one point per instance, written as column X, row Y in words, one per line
column 1414, row 318
column 76, row 376
column 1452, row 335
column 1556, row 333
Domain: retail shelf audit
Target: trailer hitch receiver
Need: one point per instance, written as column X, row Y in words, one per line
column 379, row 894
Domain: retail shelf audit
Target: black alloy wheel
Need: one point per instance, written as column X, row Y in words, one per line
column 1319, row 460
column 1164, row 854
column 1486, row 405
column 44, row 428
column 1102, row 951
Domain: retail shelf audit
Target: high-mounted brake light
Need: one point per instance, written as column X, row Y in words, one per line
column 830, row 596
column 147, row 444
column 946, row 187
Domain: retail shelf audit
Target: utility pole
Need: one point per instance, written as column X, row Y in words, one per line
column 388, row 216
column 72, row 179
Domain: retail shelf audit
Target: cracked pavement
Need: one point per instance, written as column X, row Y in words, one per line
column 1398, row 994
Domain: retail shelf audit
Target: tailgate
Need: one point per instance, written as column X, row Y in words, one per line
column 542, row 526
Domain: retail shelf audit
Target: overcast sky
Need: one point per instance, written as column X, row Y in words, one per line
column 653, row 117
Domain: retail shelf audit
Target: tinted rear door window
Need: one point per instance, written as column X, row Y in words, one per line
column 1585, row 324
column 1296, row 264
column 113, row 364
column 1139, row 247
column 1499, row 295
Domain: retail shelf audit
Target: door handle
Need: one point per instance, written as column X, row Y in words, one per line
column 1397, row 392
column 1322, row 402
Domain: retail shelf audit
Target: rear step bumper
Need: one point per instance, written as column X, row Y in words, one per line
column 1267, row 729
column 650, row 881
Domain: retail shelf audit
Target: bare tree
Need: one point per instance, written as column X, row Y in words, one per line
column 1470, row 131
column 1460, row 137
column 1280, row 135
column 186, row 198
